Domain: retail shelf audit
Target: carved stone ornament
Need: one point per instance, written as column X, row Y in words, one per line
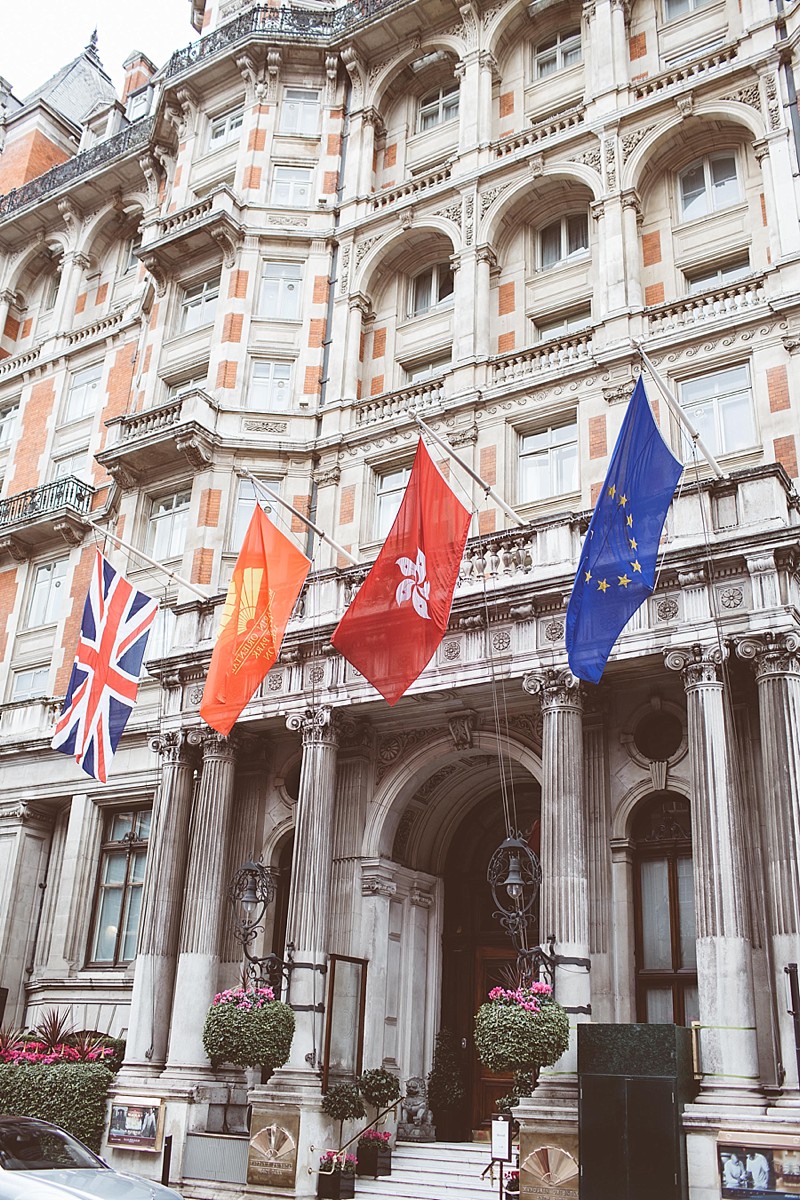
column 317, row 725
column 160, row 277
column 772, row 653
column 176, row 745
column 555, row 687
column 461, row 726
column 698, row 664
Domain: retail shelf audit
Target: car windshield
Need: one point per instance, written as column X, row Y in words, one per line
column 31, row 1146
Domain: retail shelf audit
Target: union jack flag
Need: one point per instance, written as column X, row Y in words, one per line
column 105, row 675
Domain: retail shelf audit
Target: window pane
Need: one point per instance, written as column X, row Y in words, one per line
column 693, row 192
column 121, row 826
column 47, row 596
column 656, row 947
column 658, row 1006
column 737, row 422
column 724, row 182
column 423, row 286
column 691, row 1004
column 280, row 290
column 577, row 233
column 551, row 244
column 565, row 469
column 444, row 281
column 687, row 932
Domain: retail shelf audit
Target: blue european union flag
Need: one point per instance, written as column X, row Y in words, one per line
column 616, row 572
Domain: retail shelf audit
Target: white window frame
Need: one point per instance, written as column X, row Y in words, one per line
column 713, row 196
column 280, row 294
column 300, row 112
column 723, row 410
column 566, row 225
column 124, row 893
column 291, row 186
column 419, row 372
column 564, row 324
column 389, row 488
column 199, row 304
column 690, row 7
column 30, row 683
column 168, row 525
column 131, row 262
column 9, row 415
column 50, row 290
column 719, row 275
column 176, row 390
column 563, row 51
column 441, row 276
column 246, row 499
column 74, row 462
column 550, row 446
column 271, row 384
column 48, row 593
column 224, row 128
column 138, row 103
column 439, row 106
column 82, row 390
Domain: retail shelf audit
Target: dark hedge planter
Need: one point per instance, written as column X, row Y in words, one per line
column 374, row 1160
column 336, row 1186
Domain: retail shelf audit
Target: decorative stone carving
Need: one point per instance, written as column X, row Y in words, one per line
column 177, row 745
column 771, row 653
column 553, row 686
column 416, row 1119
column 698, row 664
column 316, row 725
column 461, row 726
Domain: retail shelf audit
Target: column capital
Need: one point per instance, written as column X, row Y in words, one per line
column 216, row 745
column 556, row 688
column 318, row 726
column 773, row 654
column 697, row 664
column 176, row 745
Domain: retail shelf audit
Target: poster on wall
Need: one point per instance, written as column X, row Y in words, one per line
column 759, row 1170
column 136, row 1123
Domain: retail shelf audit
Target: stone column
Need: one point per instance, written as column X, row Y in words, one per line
column 203, row 906
column 565, row 870
column 308, row 919
column 776, row 658
column 159, row 928
column 631, row 215
column 486, row 264
column 729, row 1057
column 355, row 775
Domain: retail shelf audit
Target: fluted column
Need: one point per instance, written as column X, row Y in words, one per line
column 776, row 658
column 729, row 1057
column 565, row 872
column 164, row 881
column 203, row 906
column 354, row 777
column 308, row 920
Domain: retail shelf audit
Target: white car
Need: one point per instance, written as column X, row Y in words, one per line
column 39, row 1161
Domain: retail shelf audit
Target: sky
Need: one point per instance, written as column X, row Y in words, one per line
column 37, row 37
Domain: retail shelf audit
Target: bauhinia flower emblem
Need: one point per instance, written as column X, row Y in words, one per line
column 414, row 585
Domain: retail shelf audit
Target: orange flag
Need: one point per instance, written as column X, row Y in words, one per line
column 264, row 587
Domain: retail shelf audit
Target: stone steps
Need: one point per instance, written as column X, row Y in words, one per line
column 434, row 1171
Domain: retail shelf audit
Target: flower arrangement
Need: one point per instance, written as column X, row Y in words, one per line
column 331, row 1162
column 38, row 1052
column 374, row 1137
column 521, row 1029
column 249, row 1028
column 512, row 1183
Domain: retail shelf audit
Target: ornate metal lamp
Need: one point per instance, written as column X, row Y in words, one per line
column 250, row 892
column 515, row 876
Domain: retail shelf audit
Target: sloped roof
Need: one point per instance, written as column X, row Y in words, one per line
column 78, row 88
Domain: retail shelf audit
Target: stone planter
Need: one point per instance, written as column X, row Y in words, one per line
column 336, row 1186
column 374, row 1160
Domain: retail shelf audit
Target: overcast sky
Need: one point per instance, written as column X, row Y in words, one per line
column 39, row 36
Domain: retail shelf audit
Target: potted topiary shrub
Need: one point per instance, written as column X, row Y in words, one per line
column 374, row 1153
column 379, row 1087
column 343, row 1102
column 445, row 1086
column 336, row 1179
column 523, row 1029
column 249, row 1028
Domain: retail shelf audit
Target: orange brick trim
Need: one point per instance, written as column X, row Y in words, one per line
column 778, row 389
column 505, row 342
column 637, row 45
column 651, row 248
column 390, row 155
column 376, row 386
column 312, row 381
column 786, row 454
column 202, row 563
column 379, row 343
column 210, row 504
column 232, row 327
column 226, row 375
column 488, row 464
column 654, row 294
column 347, row 504
column 506, row 298
column 598, row 446
column 506, row 104
column 303, row 505
column 320, row 295
column 237, row 288
column 487, row 519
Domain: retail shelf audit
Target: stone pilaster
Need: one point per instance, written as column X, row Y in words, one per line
column 203, row 906
column 729, row 1058
column 159, row 928
column 354, row 777
column 776, row 658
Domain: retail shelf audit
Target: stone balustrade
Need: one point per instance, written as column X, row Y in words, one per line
column 735, row 300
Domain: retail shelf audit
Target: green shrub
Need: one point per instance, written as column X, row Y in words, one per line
column 510, row 1038
column 343, row 1102
column 379, row 1087
column 445, row 1084
column 72, row 1095
column 248, row 1029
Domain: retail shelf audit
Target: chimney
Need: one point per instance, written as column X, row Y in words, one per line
column 138, row 71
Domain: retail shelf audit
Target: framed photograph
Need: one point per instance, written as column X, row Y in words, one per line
column 137, row 1123
column 759, row 1169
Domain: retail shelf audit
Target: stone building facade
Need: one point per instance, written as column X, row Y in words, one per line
column 268, row 256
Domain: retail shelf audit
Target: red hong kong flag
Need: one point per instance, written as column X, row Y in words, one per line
column 399, row 615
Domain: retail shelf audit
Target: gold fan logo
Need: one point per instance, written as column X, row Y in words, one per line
column 249, row 603
column 550, row 1171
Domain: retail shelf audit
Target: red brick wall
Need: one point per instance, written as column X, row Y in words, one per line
column 28, row 158
column 72, row 625
column 33, row 433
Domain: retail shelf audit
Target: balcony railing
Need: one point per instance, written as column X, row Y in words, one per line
column 132, row 138
column 411, row 188
column 400, row 404
column 685, row 72
column 550, row 127
column 734, row 301
column 46, row 500
column 554, row 355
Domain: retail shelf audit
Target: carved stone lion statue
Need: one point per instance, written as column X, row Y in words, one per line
column 414, row 1108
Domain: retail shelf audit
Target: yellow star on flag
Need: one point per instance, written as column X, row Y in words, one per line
column 588, row 577
column 634, row 545
column 623, row 500
column 603, row 586
column 629, row 521
column 623, row 581
column 612, row 491
column 637, row 566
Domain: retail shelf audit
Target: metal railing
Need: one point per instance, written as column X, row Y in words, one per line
column 339, row 1155
column 49, row 498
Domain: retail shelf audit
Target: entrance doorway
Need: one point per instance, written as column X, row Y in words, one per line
column 477, row 952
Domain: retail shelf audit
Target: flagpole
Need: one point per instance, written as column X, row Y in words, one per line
column 262, row 487
column 472, row 474
column 151, row 561
column 679, row 413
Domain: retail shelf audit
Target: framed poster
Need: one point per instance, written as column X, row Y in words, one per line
column 759, row 1167
column 137, row 1123
column 501, row 1136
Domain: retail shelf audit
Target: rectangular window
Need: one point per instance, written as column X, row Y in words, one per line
column 225, row 128
column 709, row 186
column 118, row 900
column 245, row 504
column 439, row 107
column 187, row 385
column 291, row 186
column 564, row 324
column 564, row 240
column 269, row 387
column 132, row 246
column 679, row 8
column 556, row 54
column 83, row 396
column 548, row 463
column 50, row 292
column 720, row 407
column 300, row 111
column 30, row 684
column 717, row 277
column 48, row 595
column 138, row 104
column 76, row 463
column 280, row 291
column 199, row 304
column 389, row 488
column 419, row 372
column 8, row 423
column 169, row 520
column 432, row 288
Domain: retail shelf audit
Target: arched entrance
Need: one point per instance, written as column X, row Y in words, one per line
column 477, row 952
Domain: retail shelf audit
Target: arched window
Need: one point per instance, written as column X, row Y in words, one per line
column 666, row 959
